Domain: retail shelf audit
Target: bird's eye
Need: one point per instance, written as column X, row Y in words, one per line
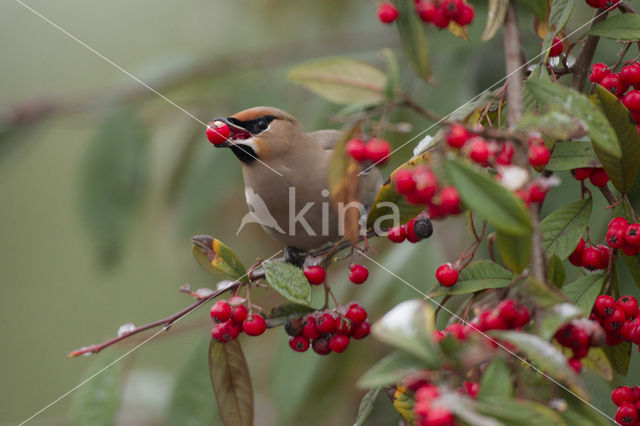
column 262, row 124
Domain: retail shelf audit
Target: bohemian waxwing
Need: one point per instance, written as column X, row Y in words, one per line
column 286, row 176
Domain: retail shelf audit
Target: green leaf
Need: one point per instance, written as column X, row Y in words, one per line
column 281, row 313
column 393, row 73
column 288, row 280
column 550, row 320
column 538, row 7
column 495, row 17
column 554, row 124
column 542, row 294
column 562, row 229
column 477, row 276
column 544, row 356
column 558, row 18
column 633, row 265
column 390, row 370
column 382, row 212
column 572, row 155
column 341, row 80
column 191, row 401
column 515, row 250
column 519, row 412
column 403, row 402
column 413, row 38
column 496, row 380
column 597, row 361
column 482, row 194
column 464, row 409
column 96, row 403
column 622, row 169
column 231, row 383
column 619, row 356
column 624, row 27
column 366, row 406
column 215, row 257
column 583, row 292
column 529, row 101
column 113, row 180
column 556, row 274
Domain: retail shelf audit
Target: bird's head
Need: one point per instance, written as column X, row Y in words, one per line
column 261, row 133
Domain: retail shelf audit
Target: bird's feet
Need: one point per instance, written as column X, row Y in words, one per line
column 294, row 256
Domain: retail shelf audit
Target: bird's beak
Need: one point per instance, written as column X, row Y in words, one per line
column 236, row 133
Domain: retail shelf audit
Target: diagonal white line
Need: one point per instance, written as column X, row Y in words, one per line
column 73, row 389
column 482, row 92
column 548, row 377
column 103, row 57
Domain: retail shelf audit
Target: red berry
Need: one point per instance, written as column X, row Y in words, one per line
column 403, row 181
column 326, row 323
column 556, row 48
column 507, row 310
column 387, row 13
column 310, row 329
column 356, row 149
column 506, row 154
column 539, row 155
column 627, row 414
column 591, row 258
column 239, row 314
column 537, row 193
column 299, row 343
column 613, row 323
column 217, row 132
column 356, row 313
column 440, row 18
column 360, row 331
column 315, row 274
column 619, row 222
column 629, row 306
column 622, row 394
column 605, row 253
column 220, row 311
column 604, row 306
column 458, row 136
column 479, row 150
column 630, row 74
column 452, row 7
column 426, row 185
column 576, row 257
column 254, row 326
column 582, row 173
column 632, row 100
column 439, row 416
column 397, row 234
column 450, row 200
column 598, row 71
column 594, row 3
column 465, row 17
column 321, row 346
column 523, row 317
column 632, row 234
column 378, row 151
column 575, row 364
column 446, row 275
column 358, row 274
column 225, row 331
column 609, row 4
column 426, row 10
column 612, row 83
column 630, row 250
column 339, row 343
column 471, row 388
column 599, row 177
column 615, row 238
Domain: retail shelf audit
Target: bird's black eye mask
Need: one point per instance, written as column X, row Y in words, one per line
column 256, row 126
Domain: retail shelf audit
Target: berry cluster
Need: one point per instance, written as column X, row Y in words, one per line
column 579, row 336
column 316, row 274
column 624, row 236
column 592, row 257
column 596, row 175
column 233, row 317
column 375, row 150
column 426, row 412
column 328, row 331
column 218, row 132
column 441, row 12
column 627, row 399
column 619, row 83
column 417, row 229
column 619, row 319
column 420, row 186
column 603, row 4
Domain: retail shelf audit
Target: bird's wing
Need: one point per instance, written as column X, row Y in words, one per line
column 327, row 138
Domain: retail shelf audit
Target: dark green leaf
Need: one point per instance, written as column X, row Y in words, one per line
column 366, row 406
column 280, row 313
column 192, row 402
column 215, row 257
column 622, row 168
column 633, row 265
column 542, row 294
column 495, row 18
column 562, row 229
column 550, row 320
column 555, row 271
column 231, row 383
column 572, row 155
column 583, row 292
column 529, row 100
column 554, row 124
column 515, row 250
column 519, row 412
column 477, row 276
column 619, row 356
column 113, row 179
column 496, row 380
column 341, row 80
column 558, row 18
column 625, row 26
column 544, row 356
column 96, row 402
column 393, row 73
column 390, row 370
column 413, row 38
column 482, row 194
column 597, row 361
column 288, row 280
column 538, row 7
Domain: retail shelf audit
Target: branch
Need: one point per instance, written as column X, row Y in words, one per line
column 513, row 61
column 581, row 67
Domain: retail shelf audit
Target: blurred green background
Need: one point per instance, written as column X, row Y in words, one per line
column 102, row 184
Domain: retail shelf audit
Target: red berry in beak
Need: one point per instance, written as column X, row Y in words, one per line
column 218, row 132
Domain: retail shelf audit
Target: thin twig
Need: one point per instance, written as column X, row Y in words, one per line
column 581, row 67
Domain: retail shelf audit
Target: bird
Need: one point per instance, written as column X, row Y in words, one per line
column 286, row 177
